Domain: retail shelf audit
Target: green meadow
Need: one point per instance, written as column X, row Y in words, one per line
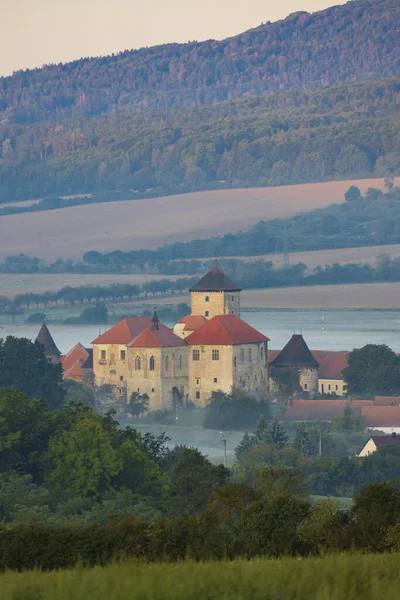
column 339, row 577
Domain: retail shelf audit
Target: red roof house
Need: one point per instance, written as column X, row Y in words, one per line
column 225, row 330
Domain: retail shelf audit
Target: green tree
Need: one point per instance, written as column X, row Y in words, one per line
column 277, row 434
column 82, row 460
column 25, row 367
column 138, row 404
column 236, row 410
column 76, row 392
column 327, row 527
column 302, row 441
column 25, row 429
column 247, row 443
column 372, row 370
column 353, row 194
column 193, row 480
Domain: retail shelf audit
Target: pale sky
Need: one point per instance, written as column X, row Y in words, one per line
column 36, row 32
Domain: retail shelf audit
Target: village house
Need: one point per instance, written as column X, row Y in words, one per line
column 377, row 442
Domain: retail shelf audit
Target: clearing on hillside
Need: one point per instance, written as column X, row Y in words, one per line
column 136, row 224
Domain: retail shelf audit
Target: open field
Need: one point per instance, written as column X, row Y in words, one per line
column 11, row 285
column 365, row 254
column 358, row 295
column 340, row 577
column 149, row 223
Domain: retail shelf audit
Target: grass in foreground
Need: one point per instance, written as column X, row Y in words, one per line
column 342, row 577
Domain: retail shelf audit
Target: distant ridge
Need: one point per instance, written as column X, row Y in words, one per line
column 352, row 42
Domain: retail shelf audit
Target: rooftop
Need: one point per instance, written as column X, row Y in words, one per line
column 44, row 337
column 331, row 364
column 215, row 281
column 192, row 322
column 385, row 440
column 142, row 332
column 225, row 330
column 295, row 353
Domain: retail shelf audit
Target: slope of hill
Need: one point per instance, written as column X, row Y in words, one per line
column 133, row 225
column 355, row 41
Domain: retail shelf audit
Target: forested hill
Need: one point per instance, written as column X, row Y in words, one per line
column 354, row 42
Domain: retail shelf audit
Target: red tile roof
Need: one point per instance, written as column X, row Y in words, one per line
column 78, row 352
column 156, row 338
column 381, row 416
column 74, row 371
column 124, row 331
column 225, row 330
column 385, row 440
column 192, row 322
column 310, row 410
column 331, row 364
column 386, row 400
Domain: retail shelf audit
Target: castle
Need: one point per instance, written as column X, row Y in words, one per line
column 211, row 349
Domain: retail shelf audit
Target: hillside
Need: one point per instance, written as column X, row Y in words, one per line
column 354, row 42
column 138, row 224
column 310, row 98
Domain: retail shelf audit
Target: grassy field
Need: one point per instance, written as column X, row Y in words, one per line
column 148, row 223
column 370, row 577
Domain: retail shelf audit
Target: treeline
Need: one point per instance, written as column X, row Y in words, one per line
column 347, row 131
column 357, row 41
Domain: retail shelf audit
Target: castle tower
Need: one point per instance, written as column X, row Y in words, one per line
column 50, row 349
column 215, row 294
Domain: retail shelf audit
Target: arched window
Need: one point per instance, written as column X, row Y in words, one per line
column 152, row 363
column 167, row 363
column 138, row 363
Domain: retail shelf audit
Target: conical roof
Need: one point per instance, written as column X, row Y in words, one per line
column 215, row 281
column 44, row 338
column 296, row 353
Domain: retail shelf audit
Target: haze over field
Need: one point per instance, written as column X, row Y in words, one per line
column 136, row 224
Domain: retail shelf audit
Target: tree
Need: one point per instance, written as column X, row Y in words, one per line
column 82, row 460
column 372, row 370
column 246, row 444
column 326, row 527
column 25, row 367
column 76, row 392
column 302, row 441
column 353, row 194
column 26, row 426
column 193, row 480
column 236, row 410
column 138, row 404
column 277, row 434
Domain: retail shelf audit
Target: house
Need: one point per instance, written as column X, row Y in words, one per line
column 330, row 371
column 376, row 442
column 226, row 352
column 209, row 350
column 294, row 358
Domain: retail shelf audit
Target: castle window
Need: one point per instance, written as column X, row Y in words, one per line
column 197, row 395
column 206, row 313
column 233, row 297
column 123, row 354
column 197, row 381
column 329, row 386
column 215, row 355
column 152, row 389
column 152, row 363
column 121, row 377
column 103, row 355
column 167, row 363
column 336, row 387
column 262, row 351
column 138, row 363
column 196, row 355
column 180, row 362
column 215, row 379
column 234, row 361
column 207, row 298
column 249, row 353
column 241, row 354
column 305, row 386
